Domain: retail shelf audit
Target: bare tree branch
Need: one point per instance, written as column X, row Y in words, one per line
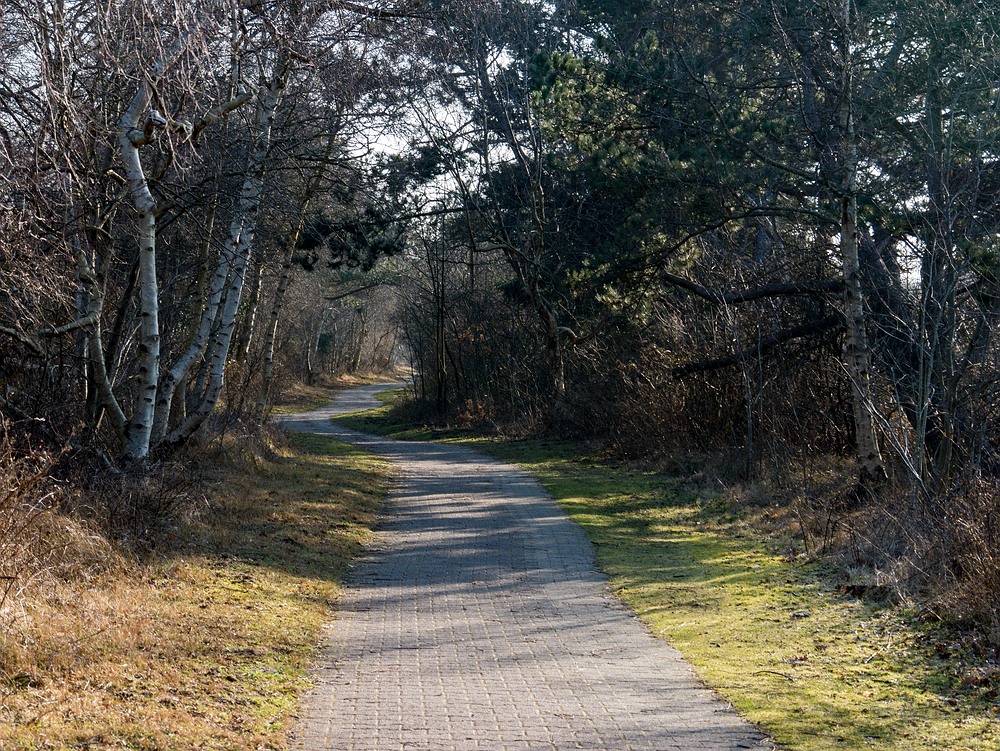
column 763, row 346
column 775, row 289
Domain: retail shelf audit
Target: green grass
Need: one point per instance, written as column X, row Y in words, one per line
column 392, row 419
column 818, row 671
column 297, row 396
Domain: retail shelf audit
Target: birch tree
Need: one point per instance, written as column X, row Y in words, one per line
column 236, row 256
column 138, row 127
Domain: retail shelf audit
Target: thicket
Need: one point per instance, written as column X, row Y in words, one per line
column 171, row 172
column 761, row 232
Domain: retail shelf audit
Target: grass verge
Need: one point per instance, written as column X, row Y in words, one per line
column 772, row 633
column 209, row 646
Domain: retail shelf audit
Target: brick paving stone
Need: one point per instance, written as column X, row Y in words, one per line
column 478, row 620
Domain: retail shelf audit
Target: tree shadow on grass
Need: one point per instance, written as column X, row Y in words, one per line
column 813, row 664
column 307, row 515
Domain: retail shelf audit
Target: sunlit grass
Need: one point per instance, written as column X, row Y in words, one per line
column 297, row 396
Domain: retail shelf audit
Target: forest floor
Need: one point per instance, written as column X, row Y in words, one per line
column 206, row 642
column 773, row 631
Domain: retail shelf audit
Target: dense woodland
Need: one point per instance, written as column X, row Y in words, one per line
column 766, row 232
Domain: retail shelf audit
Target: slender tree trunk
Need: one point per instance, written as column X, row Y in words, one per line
column 246, row 329
column 312, row 353
column 554, row 343
column 856, row 352
column 176, row 377
column 362, row 335
column 130, row 139
column 938, row 309
column 240, row 245
column 440, row 357
column 94, row 296
column 275, row 315
column 136, row 128
column 856, row 349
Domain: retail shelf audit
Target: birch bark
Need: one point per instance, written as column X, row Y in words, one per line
column 237, row 252
column 199, row 340
column 131, row 137
column 136, row 128
column 176, row 376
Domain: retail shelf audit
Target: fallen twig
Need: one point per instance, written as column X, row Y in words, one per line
column 880, row 651
column 786, row 676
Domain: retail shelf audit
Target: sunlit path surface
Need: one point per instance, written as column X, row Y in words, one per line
column 478, row 621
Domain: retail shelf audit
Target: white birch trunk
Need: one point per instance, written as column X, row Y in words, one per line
column 244, row 343
column 199, row 340
column 177, row 375
column 239, row 247
column 130, row 139
column 136, row 129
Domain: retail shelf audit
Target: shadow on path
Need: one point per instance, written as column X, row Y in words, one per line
column 479, row 620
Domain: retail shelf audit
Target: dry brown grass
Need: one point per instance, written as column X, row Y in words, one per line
column 941, row 552
column 936, row 554
column 208, row 645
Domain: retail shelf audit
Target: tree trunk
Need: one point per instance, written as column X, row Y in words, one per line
column 136, row 128
column 239, row 247
column 286, row 274
column 939, row 280
column 177, row 375
column 362, row 335
column 244, row 342
column 94, row 295
column 130, row 138
column 440, row 356
column 276, row 307
column 312, row 351
column 856, row 354
column 856, row 349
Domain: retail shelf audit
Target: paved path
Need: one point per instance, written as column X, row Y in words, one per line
column 478, row 621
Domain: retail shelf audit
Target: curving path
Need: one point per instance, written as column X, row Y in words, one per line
column 479, row 621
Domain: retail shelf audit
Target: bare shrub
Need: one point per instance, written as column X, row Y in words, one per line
column 44, row 545
column 940, row 551
column 25, row 495
column 139, row 508
column 42, row 536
